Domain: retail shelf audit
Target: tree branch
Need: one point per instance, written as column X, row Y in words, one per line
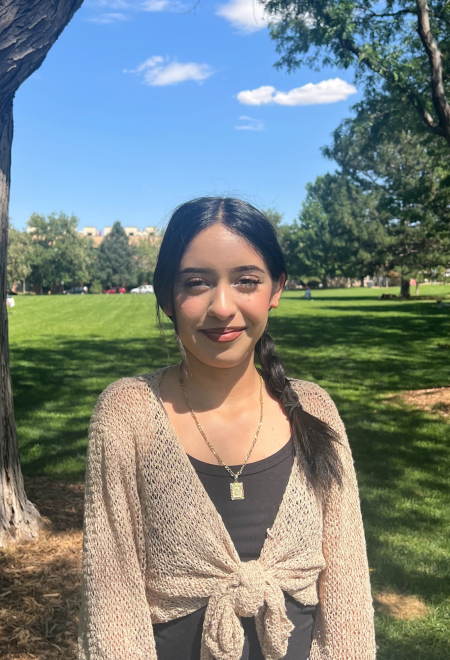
column 425, row 116
column 387, row 14
column 28, row 29
column 435, row 59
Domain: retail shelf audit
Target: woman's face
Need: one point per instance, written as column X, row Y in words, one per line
column 222, row 296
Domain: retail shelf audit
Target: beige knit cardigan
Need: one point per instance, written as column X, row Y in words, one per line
column 155, row 548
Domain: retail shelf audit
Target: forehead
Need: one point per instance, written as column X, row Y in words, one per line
column 219, row 248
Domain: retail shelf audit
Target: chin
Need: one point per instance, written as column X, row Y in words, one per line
column 221, row 356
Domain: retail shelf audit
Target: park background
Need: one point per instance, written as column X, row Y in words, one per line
column 164, row 102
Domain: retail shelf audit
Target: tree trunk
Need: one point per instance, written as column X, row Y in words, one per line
column 28, row 30
column 404, row 288
column 325, row 282
column 362, row 280
column 19, row 518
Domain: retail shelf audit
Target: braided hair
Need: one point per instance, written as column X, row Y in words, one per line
column 315, row 441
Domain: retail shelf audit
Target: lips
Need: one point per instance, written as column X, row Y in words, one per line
column 223, row 334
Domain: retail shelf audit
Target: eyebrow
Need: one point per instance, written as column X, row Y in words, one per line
column 238, row 269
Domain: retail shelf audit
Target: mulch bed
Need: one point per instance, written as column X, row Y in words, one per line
column 435, row 400
column 40, row 581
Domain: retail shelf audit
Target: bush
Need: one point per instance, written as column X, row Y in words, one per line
column 96, row 287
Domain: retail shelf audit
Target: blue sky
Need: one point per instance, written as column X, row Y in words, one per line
column 141, row 105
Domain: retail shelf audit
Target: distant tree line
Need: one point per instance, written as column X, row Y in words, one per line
column 54, row 255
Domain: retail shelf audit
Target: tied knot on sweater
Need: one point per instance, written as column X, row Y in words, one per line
column 250, row 591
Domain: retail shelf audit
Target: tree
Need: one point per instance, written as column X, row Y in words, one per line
column 338, row 232
column 274, row 217
column 399, row 45
column 117, row 263
column 410, row 173
column 147, row 255
column 59, row 253
column 28, row 31
column 19, row 256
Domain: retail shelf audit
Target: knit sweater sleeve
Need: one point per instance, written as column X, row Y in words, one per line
column 344, row 627
column 115, row 621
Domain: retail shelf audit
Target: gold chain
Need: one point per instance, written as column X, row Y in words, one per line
column 199, row 426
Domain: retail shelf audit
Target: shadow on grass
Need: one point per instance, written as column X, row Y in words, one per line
column 402, row 456
column 56, row 388
column 389, row 352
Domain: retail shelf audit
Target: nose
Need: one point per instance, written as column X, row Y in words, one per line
column 222, row 303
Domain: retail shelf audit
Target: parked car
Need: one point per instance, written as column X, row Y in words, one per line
column 76, row 289
column 145, row 288
column 121, row 290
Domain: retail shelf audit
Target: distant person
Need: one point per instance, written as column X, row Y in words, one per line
column 222, row 516
column 308, row 294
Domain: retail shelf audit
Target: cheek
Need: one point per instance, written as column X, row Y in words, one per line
column 189, row 308
column 256, row 306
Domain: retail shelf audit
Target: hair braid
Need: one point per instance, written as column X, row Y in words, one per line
column 313, row 438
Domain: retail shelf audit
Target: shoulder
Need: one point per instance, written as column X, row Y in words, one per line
column 316, row 401
column 127, row 401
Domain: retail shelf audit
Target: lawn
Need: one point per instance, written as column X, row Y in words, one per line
column 66, row 349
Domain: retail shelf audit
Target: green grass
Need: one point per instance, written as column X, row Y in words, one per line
column 65, row 350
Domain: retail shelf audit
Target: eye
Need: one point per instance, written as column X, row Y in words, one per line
column 248, row 282
column 195, row 282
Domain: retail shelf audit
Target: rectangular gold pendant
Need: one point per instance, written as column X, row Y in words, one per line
column 237, row 490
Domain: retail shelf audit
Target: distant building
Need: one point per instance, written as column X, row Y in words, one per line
column 134, row 234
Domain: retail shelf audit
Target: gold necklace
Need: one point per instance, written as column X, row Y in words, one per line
column 236, row 487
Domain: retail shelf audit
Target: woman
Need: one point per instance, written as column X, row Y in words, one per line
column 222, row 515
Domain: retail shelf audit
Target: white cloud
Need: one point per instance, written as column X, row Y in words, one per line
column 158, row 5
column 158, row 73
column 105, row 19
column 246, row 15
column 129, row 6
column 260, row 96
column 250, row 125
column 327, row 91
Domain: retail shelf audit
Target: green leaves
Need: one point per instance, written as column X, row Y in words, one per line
column 380, row 40
column 58, row 252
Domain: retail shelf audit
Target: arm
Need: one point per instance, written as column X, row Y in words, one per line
column 115, row 621
column 344, row 626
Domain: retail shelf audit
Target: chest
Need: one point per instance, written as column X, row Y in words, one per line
column 185, row 532
column 231, row 435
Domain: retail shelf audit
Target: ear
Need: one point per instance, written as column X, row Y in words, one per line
column 277, row 290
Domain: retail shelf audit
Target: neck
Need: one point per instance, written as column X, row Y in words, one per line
column 210, row 387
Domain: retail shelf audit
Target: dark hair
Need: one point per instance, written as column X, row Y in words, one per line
column 314, row 439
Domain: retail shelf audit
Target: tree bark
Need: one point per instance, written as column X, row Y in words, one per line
column 404, row 288
column 18, row 516
column 28, row 29
column 440, row 103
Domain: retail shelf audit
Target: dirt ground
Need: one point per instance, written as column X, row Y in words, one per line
column 40, row 581
column 435, row 400
column 400, row 606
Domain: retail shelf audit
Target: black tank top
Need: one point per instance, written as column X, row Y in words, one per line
column 247, row 522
